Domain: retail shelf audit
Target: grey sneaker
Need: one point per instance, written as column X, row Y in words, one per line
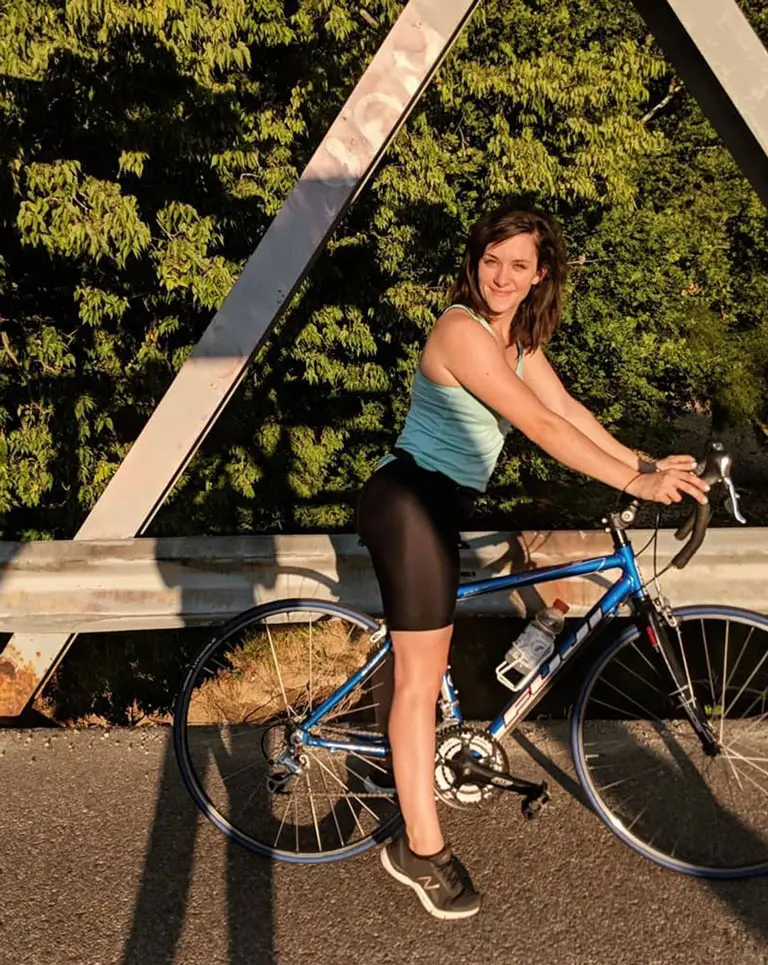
column 435, row 880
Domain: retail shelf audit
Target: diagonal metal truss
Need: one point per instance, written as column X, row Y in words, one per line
column 710, row 43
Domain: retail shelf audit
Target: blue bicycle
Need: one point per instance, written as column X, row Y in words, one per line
column 278, row 737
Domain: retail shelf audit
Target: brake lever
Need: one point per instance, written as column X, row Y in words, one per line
column 724, row 461
column 731, row 501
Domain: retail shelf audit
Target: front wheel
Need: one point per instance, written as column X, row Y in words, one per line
column 642, row 764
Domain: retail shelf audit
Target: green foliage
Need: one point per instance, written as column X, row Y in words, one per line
column 147, row 144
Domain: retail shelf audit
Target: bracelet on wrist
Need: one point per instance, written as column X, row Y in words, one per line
column 645, row 463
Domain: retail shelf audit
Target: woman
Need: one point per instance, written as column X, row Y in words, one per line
column 483, row 369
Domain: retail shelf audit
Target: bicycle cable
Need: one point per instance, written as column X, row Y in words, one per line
column 655, row 540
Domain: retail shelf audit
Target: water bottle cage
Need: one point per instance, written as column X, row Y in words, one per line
column 502, row 675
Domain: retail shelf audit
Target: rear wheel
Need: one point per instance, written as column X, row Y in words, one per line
column 243, row 705
column 643, row 766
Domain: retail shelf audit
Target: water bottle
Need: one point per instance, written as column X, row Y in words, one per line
column 534, row 645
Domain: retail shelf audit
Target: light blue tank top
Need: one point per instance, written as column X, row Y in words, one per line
column 448, row 429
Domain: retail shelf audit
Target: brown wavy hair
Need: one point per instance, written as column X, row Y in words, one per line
column 538, row 315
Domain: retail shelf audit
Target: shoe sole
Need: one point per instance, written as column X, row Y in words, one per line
column 428, row 905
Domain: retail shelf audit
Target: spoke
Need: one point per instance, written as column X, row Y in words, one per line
column 738, row 659
column 691, row 695
column 741, row 757
column 709, row 665
column 368, row 760
column 341, row 713
column 333, row 809
column 352, row 628
column 340, row 731
column 353, row 812
column 640, row 653
column 674, row 846
column 247, row 804
column 282, row 823
column 635, row 702
column 640, row 677
column 745, row 685
column 753, row 781
column 753, row 742
column 621, row 762
column 240, row 770
column 256, row 731
column 296, row 820
column 725, row 677
column 620, row 710
column 247, row 729
column 648, row 770
column 289, row 709
column 349, row 793
column 628, row 738
column 608, row 743
column 314, row 813
column 759, row 720
column 735, row 773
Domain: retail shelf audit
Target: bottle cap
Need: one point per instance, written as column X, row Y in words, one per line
column 561, row 605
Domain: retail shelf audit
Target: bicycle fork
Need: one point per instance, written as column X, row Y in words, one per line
column 655, row 624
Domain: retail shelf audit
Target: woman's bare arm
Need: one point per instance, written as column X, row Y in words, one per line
column 544, row 382
column 470, row 355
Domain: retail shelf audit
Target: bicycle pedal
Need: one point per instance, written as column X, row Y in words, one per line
column 531, row 806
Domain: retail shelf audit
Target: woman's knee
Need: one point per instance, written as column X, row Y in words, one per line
column 421, row 658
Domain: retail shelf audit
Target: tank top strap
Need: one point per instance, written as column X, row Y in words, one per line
column 473, row 314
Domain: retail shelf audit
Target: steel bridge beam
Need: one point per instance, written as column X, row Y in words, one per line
column 722, row 62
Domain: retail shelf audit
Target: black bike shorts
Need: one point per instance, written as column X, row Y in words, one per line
column 409, row 518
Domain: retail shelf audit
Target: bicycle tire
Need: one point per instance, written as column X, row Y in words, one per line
column 670, row 751
column 235, row 666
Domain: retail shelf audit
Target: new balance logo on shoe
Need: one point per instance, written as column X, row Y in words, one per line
column 428, row 883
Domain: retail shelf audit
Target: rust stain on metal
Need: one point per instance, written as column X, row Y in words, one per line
column 18, row 682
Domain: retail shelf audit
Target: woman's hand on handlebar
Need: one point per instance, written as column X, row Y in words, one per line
column 675, row 462
column 668, row 486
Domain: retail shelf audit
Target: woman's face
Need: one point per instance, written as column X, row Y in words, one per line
column 506, row 272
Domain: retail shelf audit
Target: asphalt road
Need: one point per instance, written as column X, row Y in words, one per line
column 104, row 861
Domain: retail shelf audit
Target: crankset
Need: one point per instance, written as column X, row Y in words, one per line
column 471, row 765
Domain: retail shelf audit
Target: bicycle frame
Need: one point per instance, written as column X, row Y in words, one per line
column 629, row 585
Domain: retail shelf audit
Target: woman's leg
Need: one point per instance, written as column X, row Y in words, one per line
column 421, row 657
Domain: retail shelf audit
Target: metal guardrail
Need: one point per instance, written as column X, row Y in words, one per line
column 140, row 584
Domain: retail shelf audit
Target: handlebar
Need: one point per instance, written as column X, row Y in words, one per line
column 715, row 470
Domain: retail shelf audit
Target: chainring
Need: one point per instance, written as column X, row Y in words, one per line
column 488, row 751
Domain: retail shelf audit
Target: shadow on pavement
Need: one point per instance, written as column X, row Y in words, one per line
column 162, row 902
